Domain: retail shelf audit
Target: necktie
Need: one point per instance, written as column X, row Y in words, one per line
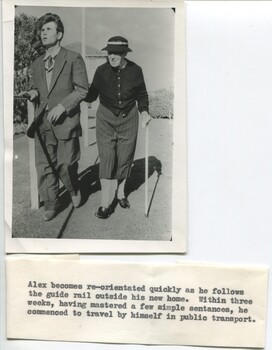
column 49, row 62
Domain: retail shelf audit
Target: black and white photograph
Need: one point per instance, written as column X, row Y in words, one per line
column 94, row 116
column 136, row 174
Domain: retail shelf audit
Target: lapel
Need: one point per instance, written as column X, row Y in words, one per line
column 60, row 61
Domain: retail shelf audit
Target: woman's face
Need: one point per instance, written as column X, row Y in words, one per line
column 116, row 59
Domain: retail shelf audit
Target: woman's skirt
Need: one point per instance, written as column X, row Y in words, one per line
column 116, row 140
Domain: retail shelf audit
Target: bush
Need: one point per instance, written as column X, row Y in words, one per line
column 27, row 47
column 161, row 103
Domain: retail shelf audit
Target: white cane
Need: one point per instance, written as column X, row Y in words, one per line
column 146, row 170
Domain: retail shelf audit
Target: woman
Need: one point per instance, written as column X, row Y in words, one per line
column 120, row 85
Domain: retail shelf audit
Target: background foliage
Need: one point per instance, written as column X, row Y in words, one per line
column 26, row 49
column 161, row 103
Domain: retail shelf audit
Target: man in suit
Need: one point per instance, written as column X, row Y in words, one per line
column 60, row 83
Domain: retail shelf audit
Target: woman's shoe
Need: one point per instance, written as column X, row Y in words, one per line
column 104, row 213
column 124, row 203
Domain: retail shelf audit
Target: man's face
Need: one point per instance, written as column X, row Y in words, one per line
column 116, row 59
column 49, row 34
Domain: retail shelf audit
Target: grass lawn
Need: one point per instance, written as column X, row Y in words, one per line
column 124, row 224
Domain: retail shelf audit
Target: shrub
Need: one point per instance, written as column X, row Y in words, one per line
column 27, row 47
column 161, row 103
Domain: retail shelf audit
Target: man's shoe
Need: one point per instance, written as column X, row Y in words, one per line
column 49, row 214
column 104, row 213
column 124, row 203
column 76, row 199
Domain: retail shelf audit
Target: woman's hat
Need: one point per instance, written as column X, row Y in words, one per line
column 117, row 44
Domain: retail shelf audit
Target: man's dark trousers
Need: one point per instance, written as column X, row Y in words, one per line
column 64, row 155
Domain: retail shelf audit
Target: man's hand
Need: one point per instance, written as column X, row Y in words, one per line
column 55, row 113
column 146, row 119
column 31, row 94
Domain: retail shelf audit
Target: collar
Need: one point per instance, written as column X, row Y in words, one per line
column 116, row 69
column 53, row 53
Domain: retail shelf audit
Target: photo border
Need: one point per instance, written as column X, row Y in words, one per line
column 178, row 244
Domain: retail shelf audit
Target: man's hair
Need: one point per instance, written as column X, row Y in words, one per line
column 50, row 17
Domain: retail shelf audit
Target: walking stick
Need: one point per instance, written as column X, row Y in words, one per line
column 146, row 170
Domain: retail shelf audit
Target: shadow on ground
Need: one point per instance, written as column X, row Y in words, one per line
column 89, row 180
column 137, row 176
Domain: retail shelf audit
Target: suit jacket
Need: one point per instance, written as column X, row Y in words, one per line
column 69, row 86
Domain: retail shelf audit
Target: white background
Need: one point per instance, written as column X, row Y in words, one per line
column 229, row 114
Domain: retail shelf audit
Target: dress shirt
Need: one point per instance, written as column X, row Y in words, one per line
column 119, row 89
column 48, row 69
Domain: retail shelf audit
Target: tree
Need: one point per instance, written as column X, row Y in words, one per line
column 27, row 47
